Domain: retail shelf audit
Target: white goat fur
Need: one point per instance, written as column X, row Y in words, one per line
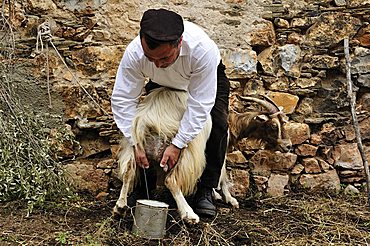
column 159, row 114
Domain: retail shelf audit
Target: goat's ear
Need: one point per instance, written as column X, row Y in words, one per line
column 262, row 118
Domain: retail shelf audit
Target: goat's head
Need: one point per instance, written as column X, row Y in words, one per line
column 267, row 126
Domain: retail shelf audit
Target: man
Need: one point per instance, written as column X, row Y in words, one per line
column 177, row 54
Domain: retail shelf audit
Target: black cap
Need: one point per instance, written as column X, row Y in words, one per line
column 162, row 25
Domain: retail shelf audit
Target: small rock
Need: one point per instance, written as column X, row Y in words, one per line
column 350, row 189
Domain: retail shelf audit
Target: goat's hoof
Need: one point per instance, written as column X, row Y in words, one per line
column 192, row 220
column 119, row 212
column 233, row 202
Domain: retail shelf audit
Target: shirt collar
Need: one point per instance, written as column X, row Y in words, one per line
column 184, row 49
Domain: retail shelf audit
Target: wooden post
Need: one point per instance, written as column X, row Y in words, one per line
column 352, row 96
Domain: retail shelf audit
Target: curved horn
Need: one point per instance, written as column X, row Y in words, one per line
column 271, row 101
column 271, row 107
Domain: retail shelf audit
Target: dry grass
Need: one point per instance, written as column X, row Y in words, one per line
column 312, row 220
column 299, row 219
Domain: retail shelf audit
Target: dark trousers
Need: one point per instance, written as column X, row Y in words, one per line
column 217, row 142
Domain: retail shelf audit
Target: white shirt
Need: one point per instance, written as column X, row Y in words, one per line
column 194, row 71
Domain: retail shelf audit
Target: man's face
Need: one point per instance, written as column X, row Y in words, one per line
column 163, row 56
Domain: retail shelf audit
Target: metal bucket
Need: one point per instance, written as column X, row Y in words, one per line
column 150, row 219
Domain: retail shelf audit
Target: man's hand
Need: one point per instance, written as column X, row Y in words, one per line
column 140, row 157
column 170, row 157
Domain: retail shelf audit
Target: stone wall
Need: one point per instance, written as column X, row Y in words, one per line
column 289, row 50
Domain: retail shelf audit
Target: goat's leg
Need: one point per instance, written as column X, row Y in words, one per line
column 121, row 204
column 127, row 173
column 228, row 197
column 186, row 212
column 224, row 185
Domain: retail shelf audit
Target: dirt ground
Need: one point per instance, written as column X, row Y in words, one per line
column 299, row 219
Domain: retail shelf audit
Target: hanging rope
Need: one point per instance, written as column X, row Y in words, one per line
column 352, row 96
column 44, row 35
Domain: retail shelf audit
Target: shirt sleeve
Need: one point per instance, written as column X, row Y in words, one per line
column 127, row 89
column 202, row 96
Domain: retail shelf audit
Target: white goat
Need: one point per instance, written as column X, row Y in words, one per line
column 156, row 123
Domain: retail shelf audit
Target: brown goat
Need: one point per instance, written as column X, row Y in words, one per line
column 266, row 126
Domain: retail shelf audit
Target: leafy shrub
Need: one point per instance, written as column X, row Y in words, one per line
column 28, row 171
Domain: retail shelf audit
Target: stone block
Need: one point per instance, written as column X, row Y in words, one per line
column 363, row 36
column 349, row 157
column 306, row 150
column 324, row 62
column 239, row 63
column 236, row 157
column 290, row 56
column 263, row 35
column 328, row 181
column 277, row 184
column 335, row 25
column 358, row 3
column 298, row 132
column 240, row 181
column 86, row 177
column 297, row 169
column 285, row 100
column 266, row 161
column 311, row 165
